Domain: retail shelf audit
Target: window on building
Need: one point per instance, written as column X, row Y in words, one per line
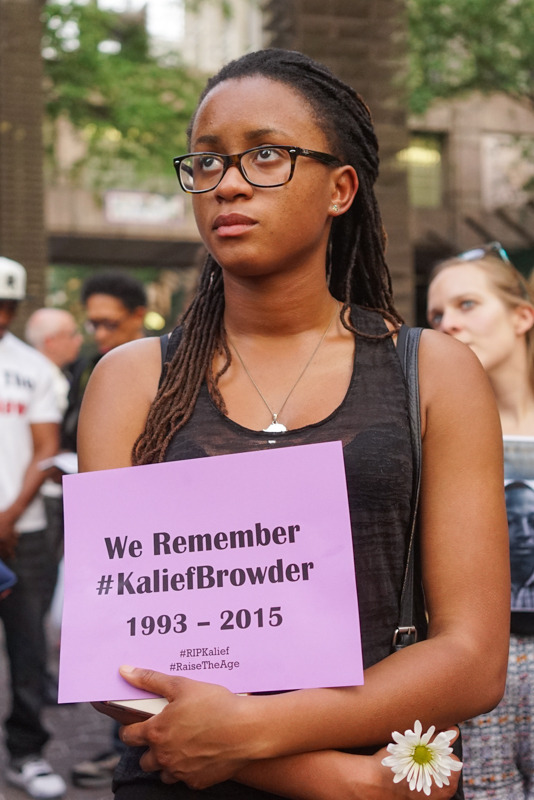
column 422, row 160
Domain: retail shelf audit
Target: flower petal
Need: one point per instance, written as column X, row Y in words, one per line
column 428, row 735
column 420, row 776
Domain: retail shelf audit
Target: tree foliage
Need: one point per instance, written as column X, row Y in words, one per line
column 129, row 107
column 132, row 108
column 458, row 46
column 224, row 6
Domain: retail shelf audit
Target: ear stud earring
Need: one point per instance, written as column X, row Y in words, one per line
column 335, row 208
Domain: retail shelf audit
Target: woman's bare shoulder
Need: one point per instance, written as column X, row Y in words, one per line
column 116, row 404
column 442, row 355
column 453, row 384
column 139, row 361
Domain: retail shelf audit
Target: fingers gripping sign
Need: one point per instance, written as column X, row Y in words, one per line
column 195, row 737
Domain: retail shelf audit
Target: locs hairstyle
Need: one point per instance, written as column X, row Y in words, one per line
column 356, row 268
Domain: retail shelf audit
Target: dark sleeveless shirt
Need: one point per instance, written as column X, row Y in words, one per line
column 373, row 425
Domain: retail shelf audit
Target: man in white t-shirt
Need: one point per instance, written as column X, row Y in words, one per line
column 29, row 432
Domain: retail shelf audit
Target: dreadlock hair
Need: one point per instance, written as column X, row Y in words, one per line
column 356, row 267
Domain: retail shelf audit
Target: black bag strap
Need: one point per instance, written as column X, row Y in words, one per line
column 168, row 344
column 408, row 350
column 164, row 344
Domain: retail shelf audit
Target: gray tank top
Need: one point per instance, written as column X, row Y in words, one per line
column 372, row 423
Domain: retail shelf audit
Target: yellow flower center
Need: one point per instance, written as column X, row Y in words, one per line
column 422, row 754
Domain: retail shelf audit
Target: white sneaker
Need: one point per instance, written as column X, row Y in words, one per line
column 36, row 777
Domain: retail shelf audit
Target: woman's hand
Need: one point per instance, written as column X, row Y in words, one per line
column 200, row 739
column 401, row 791
column 196, row 738
column 331, row 773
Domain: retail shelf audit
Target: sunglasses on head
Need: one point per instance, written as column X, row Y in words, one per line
column 496, row 249
column 490, row 249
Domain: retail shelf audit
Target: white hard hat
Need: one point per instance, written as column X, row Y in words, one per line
column 12, row 280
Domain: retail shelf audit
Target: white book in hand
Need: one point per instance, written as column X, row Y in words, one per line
column 66, row 462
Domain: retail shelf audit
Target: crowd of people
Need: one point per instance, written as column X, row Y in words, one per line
column 291, row 339
column 41, row 389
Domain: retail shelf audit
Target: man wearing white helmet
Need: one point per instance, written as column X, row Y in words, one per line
column 29, row 430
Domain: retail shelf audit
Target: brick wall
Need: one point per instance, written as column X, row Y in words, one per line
column 22, row 234
column 362, row 41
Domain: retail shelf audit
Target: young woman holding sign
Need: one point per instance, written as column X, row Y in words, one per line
column 290, row 340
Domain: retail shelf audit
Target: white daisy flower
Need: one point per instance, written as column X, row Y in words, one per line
column 421, row 761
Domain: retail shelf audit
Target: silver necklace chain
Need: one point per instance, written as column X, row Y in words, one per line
column 275, row 426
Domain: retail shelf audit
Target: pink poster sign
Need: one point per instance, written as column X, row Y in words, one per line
column 234, row 569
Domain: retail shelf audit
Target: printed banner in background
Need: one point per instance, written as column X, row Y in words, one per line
column 235, row 569
column 519, row 494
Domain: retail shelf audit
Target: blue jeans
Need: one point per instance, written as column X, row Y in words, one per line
column 23, row 613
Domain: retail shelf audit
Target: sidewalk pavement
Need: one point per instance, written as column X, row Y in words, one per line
column 78, row 733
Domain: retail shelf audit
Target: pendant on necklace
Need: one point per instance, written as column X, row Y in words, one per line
column 275, row 427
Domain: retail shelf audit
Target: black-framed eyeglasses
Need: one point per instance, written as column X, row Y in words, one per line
column 265, row 167
column 491, row 248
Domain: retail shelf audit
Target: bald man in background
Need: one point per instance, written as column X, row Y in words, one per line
column 54, row 333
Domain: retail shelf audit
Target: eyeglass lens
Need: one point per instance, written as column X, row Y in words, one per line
column 266, row 166
column 91, row 325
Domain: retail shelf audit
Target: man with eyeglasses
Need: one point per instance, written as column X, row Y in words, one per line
column 115, row 306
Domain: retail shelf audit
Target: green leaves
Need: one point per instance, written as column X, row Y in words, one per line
column 125, row 104
column 457, row 46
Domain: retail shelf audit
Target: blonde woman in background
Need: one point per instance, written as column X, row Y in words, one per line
column 480, row 299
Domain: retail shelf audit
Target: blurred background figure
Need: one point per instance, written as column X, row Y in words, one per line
column 7, row 580
column 115, row 306
column 54, row 333
column 483, row 301
column 520, row 512
column 29, row 431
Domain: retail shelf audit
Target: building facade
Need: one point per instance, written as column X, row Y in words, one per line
column 449, row 179
column 22, row 229
column 470, row 167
